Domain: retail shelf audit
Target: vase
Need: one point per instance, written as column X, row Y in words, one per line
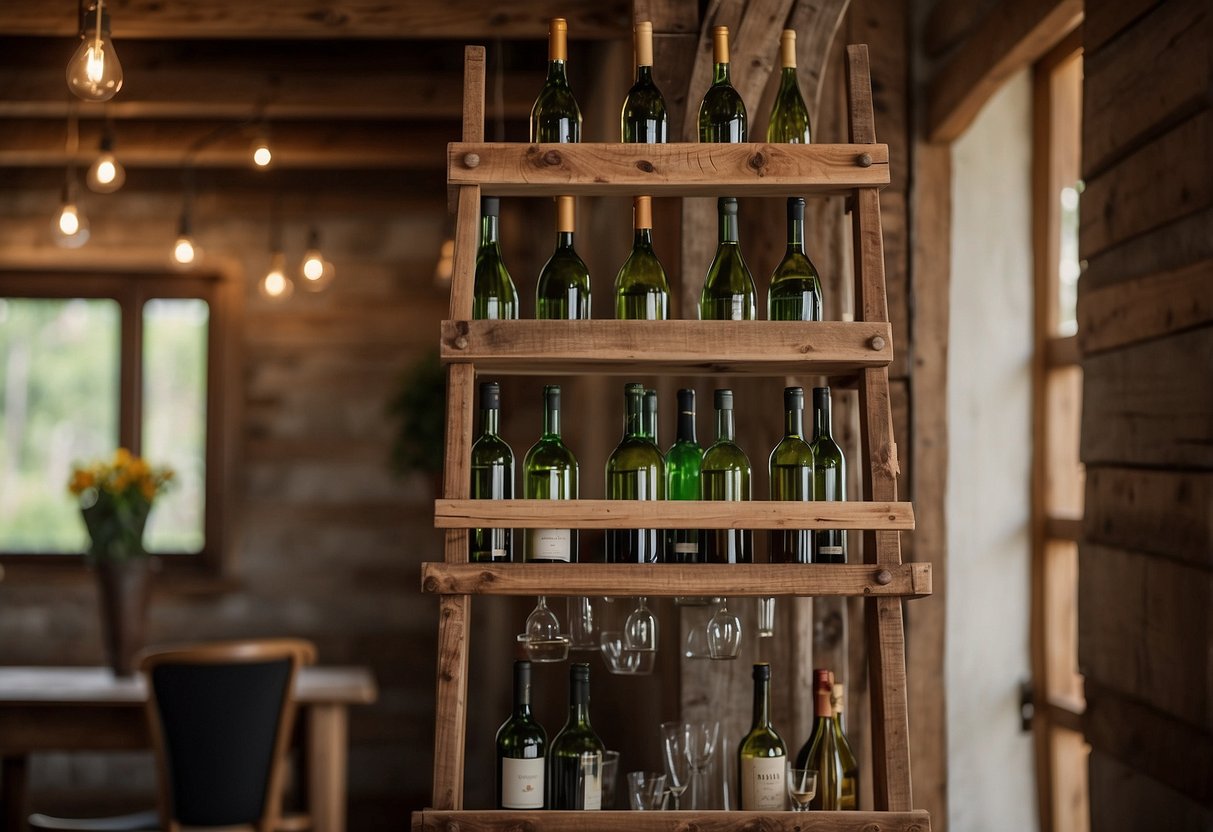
column 124, row 587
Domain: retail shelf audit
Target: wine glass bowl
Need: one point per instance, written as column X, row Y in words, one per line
column 724, row 633
column 640, row 629
column 646, row 789
column 583, row 623
column 623, row 661
column 701, row 746
column 542, row 640
column 802, row 787
column 676, row 752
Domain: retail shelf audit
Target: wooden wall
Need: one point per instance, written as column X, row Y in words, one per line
column 1146, row 328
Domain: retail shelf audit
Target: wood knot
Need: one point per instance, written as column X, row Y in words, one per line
column 461, row 342
column 877, row 343
column 451, row 826
column 552, row 157
column 884, row 577
column 645, row 165
column 864, row 160
column 430, row 584
column 757, row 162
column 471, row 160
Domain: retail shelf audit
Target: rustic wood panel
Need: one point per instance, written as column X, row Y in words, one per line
column 1168, row 513
column 1150, row 307
column 1123, row 800
column 1135, row 413
column 1107, row 19
column 1164, row 249
column 432, row 821
column 949, row 21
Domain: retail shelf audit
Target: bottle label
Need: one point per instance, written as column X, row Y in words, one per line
column 830, row 550
column 522, row 783
column 686, row 548
column 550, row 544
column 591, row 780
column 762, row 786
column 500, row 553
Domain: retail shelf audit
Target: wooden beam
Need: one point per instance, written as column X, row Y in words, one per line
column 553, row 821
column 323, row 19
column 1013, row 35
column 1164, row 249
column 1167, row 513
column 949, row 21
column 1111, row 17
column 1146, row 308
column 1120, row 795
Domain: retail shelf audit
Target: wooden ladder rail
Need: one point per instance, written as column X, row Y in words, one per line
column 885, row 630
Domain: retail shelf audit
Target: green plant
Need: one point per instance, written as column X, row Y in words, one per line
column 419, row 407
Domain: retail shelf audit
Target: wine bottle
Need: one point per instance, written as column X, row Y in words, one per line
column 725, row 474
column 829, row 479
column 682, row 479
column 550, row 472
column 641, row 290
column 849, row 798
column 493, row 295
column 791, row 466
column 574, row 770
column 492, row 478
column 563, row 292
column 728, row 291
column 650, row 417
column 795, row 291
column 722, row 115
column 521, row 742
column 634, row 471
column 789, row 122
column 820, row 753
column 644, row 115
column 762, row 757
column 555, row 116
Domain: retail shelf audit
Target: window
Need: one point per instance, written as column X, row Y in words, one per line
column 91, row 362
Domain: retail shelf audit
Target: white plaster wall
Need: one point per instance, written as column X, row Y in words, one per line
column 991, row 783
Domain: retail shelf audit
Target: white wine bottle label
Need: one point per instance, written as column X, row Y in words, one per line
column 550, row 544
column 830, row 550
column 500, row 553
column 762, row 786
column 522, row 783
column 686, row 548
column 591, row 780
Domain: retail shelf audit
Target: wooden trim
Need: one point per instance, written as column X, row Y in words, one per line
column 1063, row 528
column 1062, row 351
column 1063, row 715
column 430, row 820
column 685, row 170
column 669, row 579
column 1149, row 307
column 450, row 717
column 668, row 347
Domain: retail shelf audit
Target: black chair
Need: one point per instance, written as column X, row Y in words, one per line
column 220, row 717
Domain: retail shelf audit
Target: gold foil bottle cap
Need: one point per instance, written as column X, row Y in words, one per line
column 558, row 47
column 720, row 44
column 644, row 43
column 565, row 214
column 787, row 49
column 642, row 216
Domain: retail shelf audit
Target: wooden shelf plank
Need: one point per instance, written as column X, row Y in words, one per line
column 668, row 347
column 615, row 821
column 671, row 514
column 713, row 579
column 687, row 169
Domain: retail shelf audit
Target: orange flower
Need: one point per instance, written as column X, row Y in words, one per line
column 82, row 480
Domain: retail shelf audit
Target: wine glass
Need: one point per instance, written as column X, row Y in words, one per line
column 676, row 751
column 702, row 738
column 766, row 617
column 802, row 787
column 582, row 624
column 646, row 789
column 542, row 639
column 640, row 630
column 724, row 633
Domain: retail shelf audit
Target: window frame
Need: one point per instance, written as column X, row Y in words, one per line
column 131, row 288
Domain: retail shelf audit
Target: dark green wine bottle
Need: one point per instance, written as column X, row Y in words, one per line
column 563, row 292
column 728, row 290
column 574, row 770
column 762, row 757
column 550, row 473
column 820, row 752
column 641, row 290
column 644, row 115
column 849, row 797
column 829, row 479
column 650, row 417
column 722, row 115
column 492, row 478
column 494, row 295
column 555, row 116
column 791, row 466
column 795, row 291
column 725, row 474
column 634, row 471
column 682, row 480
column 789, row 122
column 521, row 745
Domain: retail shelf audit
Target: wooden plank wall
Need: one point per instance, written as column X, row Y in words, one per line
column 1146, row 329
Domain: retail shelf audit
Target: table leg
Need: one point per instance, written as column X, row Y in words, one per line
column 13, row 776
column 327, row 752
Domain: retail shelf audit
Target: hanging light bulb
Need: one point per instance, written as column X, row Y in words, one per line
column 106, row 174
column 261, row 149
column 276, row 285
column 318, row 273
column 70, row 225
column 185, row 251
column 94, row 73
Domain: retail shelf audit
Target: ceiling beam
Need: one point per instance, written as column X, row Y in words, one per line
column 322, row 19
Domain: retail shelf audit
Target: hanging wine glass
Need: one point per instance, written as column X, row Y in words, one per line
column 724, row 633
column 583, row 634
column 640, row 630
column 543, row 640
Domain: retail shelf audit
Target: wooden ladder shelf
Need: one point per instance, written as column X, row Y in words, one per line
column 859, row 350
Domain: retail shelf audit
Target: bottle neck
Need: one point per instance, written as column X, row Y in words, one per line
column 556, row 72
column 579, row 703
column 728, row 228
column 564, row 239
column 720, row 73
column 551, row 421
column 686, row 426
column 793, row 421
column 490, row 418
column 724, row 425
column 822, row 707
column 787, row 78
column 488, row 231
column 633, row 426
column 644, row 74
column 643, row 238
column 821, row 418
column 522, row 693
column 795, row 235
column 762, row 703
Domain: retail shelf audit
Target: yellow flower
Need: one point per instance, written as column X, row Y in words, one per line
column 148, row 488
column 138, row 468
column 122, row 458
column 81, row 480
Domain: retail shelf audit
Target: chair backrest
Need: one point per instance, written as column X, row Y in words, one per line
column 220, row 716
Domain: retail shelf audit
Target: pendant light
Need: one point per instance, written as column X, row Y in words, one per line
column 317, row 272
column 69, row 226
column 277, row 284
column 185, row 250
column 262, row 155
column 94, row 72
column 106, row 174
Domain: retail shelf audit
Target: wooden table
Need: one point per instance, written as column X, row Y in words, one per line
column 87, row 709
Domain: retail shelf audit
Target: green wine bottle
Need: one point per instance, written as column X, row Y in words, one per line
column 563, row 292
column 641, row 290
column 789, row 122
column 521, row 743
column 493, row 295
column 762, row 757
column 795, row 291
column 791, row 466
column 550, row 474
column 634, row 471
column 722, row 115
column 555, row 116
column 574, row 770
column 650, row 417
column 492, row 478
column 725, row 473
column 682, row 480
column 849, row 799
column 829, row 479
column 820, row 753
column 728, row 291
column 644, row 115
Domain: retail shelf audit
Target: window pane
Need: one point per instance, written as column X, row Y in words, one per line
column 58, row 406
column 174, row 418
column 1068, row 267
